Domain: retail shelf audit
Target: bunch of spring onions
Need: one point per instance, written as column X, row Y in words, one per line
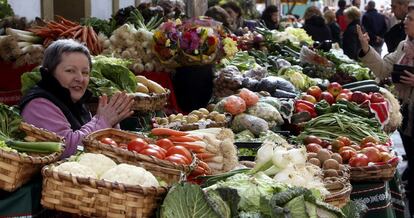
column 21, row 47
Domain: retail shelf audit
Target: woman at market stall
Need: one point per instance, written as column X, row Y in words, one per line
column 330, row 18
column 350, row 42
column 57, row 102
column 382, row 68
column 221, row 15
column 271, row 17
column 315, row 25
column 236, row 15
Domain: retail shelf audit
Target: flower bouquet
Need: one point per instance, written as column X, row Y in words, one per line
column 196, row 41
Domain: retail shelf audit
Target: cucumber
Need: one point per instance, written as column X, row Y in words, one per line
column 35, row 147
column 366, row 88
column 359, row 83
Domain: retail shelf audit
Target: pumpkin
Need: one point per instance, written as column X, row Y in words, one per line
column 249, row 97
column 234, row 105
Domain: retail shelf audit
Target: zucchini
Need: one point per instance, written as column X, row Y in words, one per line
column 366, row 88
column 359, row 83
column 35, row 147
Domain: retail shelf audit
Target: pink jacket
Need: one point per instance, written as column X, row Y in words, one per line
column 44, row 114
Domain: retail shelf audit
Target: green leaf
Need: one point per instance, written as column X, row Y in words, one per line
column 354, row 209
column 186, row 201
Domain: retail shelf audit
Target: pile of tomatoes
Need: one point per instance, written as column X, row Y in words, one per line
column 163, row 149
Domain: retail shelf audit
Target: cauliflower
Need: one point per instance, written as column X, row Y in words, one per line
column 99, row 163
column 130, row 175
column 76, row 169
column 266, row 111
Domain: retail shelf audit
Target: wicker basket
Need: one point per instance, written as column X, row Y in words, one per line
column 170, row 172
column 143, row 102
column 198, row 125
column 373, row 173
column 339, row 188
column 153, row 102
column 97, row 198
column 340, row 197
column 16, row 169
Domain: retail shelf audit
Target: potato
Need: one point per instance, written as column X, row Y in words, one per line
column 337, row 157
column 172, row 117
column 204, row 111
column 164, row 121
column 220, row 118
column 315, row 161
column 197, row 113
column 179, row 116
column 142, row 88
column 330, row 173
column 151, row 85
column 192, row 118
column 323, row 155
column 330, row 164
column 312, row 155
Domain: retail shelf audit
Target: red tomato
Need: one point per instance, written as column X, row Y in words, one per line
column 359, row 160
column 179, row 150
column 137, row 145
column 158, row 148
column 164, row 143
column 108, row 141
column 153, row 152
column 178, row 159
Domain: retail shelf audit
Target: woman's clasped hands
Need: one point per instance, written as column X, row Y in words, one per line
column 115, row 109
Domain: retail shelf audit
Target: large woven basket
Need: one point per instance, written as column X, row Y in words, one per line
column 16, row 169
column 143, row 102
column 198, row 125
column 170, row 172
column 97, row 198
column 153, row 102
column 339, row 187
column 373, row 173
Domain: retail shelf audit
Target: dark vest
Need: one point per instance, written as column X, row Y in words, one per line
column 77, row 113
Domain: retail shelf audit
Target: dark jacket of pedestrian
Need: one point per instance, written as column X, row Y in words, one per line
column 394, row 36
column 316, row 27
column 374, row 24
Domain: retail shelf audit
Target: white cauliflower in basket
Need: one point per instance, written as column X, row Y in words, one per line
column 130, row 175
column 76, row 169
column 97, row 162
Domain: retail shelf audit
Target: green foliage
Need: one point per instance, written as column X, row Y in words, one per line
column 5, row 9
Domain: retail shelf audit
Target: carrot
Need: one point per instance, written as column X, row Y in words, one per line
column 181, row 139
column 70, row 31
column 78, row 33
column 192, row 145
column 168, row 132
column 84, row 33
column 204, row 156
column 197, row 138
column 65, row 21
column 205, row 166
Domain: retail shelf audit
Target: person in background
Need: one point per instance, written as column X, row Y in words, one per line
column 374, row 23
column 350, row 42
column 221, row 15
column 356, row 3
column 382, row 68
column 340, row 17
column 315, row 25
column 271, row 17
column 329, row 16
column 236, row 15
column 57, row 102
column 397, row 34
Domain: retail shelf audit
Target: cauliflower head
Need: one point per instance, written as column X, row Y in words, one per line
column 76, row 169
column 130, row 175
column 99, row 163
